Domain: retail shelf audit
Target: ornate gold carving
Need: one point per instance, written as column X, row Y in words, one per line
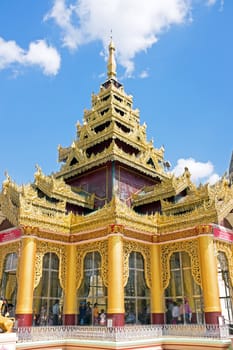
column 191, row 247
column 200, row 215
column 112, row 108
column 50, row 247
column 227, row 249
column 222, row 195
column 132, row 246
column 115, row 212
column 82, row 250
column 5, row 249
column 167, row 188
column 57, row 188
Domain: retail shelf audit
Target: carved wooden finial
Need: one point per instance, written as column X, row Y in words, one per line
column 111, row 59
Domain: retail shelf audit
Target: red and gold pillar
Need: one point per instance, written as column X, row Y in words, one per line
column 70, row 301
column 209, row 278
column 24, row 311
column 157, row 297
column 116, row 310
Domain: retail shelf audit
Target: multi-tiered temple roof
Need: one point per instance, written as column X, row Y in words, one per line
column 112, row 174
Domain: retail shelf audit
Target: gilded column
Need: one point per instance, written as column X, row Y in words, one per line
column 70, row 301
column 24, row 311
column 209, row 278
column 116, row 310
column 157, row 297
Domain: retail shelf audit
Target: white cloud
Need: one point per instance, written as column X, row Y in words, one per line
column 39, row 54
column 135, row 24
column 200, row 172
column 144, row 74
column 211, row 2
column 10, row 52
column 213, row 179
column 45, row 56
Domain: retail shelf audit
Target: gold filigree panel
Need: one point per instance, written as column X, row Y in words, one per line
column 132, row 246
column 82, row 250
column 48, row 247
column 5, row 250
column 190, row 247
column 227, row 249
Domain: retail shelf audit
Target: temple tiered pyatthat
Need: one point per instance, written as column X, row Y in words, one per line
column 114, row 227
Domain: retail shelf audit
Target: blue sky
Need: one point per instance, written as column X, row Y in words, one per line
column 174, row 56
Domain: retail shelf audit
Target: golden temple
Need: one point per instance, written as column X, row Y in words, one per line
column 114, row 227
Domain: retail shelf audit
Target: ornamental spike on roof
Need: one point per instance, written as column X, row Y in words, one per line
column 111, row 61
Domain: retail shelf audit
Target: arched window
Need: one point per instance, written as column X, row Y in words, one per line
column 8, row 285
column 48, row 292
column 182, row 289
column 92, row 289
column 137, row 294
column 225, row 288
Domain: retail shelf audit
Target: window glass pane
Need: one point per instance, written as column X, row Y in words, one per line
column 54, row 262
column 185, row 259
column 132, row 260
column 91, row 291
column 48, row 296
column 139, row 262
column 140, row 284
column 88, row 261
column 143, row 311
column 183, row 290
column 176, row 281
column 130, row 311
column 46, row 259
column 55, row 290
column 225, row 287
column 137, row 294
column 175, row 261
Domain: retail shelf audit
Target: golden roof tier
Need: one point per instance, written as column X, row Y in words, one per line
column 111, row 131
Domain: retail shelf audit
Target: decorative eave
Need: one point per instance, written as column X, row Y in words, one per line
column 222, row 195
column 202, row 215
column 169, row 187
column 58, row 189
column 116, row 212
column 187, row 204
column 45, row 218
column 135, row 138
column 22, row 207
column 51, row 218
column 63, row 153
column 112, row 153
column 193, row 199
column 121, row 112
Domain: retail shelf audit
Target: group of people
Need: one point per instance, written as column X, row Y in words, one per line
column 178, row 312
column 51, row 318
column 87, row 316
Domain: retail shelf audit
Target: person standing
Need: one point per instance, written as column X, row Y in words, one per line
column 88, row 318
column 187, row 312
column 55, row 313
column 96, row 314
column 82, row 313
column 103, row 318
column 175, row 313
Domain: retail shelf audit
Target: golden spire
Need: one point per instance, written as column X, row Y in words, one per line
column 111, row 61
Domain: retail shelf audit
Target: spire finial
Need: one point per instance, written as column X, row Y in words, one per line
column 111, row 60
